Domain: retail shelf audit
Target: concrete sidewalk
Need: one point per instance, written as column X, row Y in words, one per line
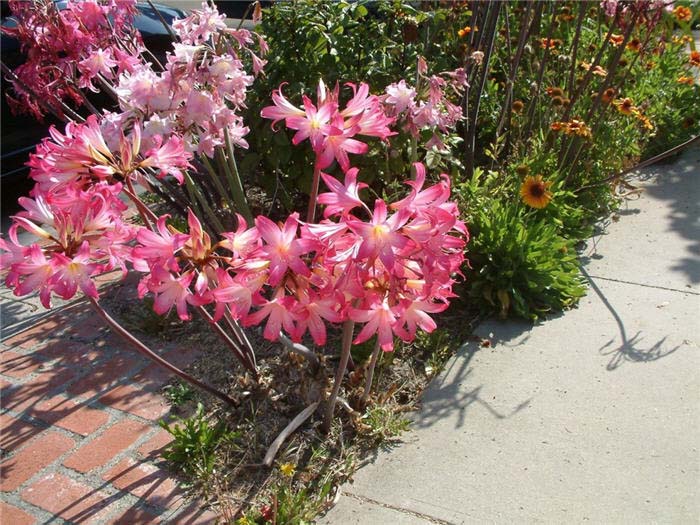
column 593, row 416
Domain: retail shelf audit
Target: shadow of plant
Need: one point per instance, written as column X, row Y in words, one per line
column 446, row 396
column 628, row 350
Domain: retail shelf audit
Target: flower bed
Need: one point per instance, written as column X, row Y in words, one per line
column 317, row 184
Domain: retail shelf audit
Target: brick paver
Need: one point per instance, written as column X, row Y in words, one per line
column 78, row 425
column 14, row 432
column 12, row 515
column 68, row 414
column 137, row 401
column 33, row 458
column 146, row 481
column 18, row 365
column 105, row 447
column 68, row 499
column 135, row 515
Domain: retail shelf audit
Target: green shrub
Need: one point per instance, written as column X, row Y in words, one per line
column 520, row 263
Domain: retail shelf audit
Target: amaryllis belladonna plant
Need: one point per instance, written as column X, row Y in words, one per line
column 384, row 266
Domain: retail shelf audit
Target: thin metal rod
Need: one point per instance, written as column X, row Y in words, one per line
column 643, row 164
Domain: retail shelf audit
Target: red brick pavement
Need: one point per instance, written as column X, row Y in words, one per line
column 79, row 438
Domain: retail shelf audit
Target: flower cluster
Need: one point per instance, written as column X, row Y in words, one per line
column 626, row 107
column 329, row 129
column 430, row 110
column 573, row 127
column 80, row 234
column 75, row 210
column 69, row 49
column 200, row 91
column 388, row 272
column 65, row 164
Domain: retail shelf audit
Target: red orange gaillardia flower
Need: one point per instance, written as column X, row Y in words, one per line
column 682, row 13
column 535, row 191
column 695, row 58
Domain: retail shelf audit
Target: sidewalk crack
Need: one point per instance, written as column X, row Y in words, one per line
column 622, row 281
column 426, row 517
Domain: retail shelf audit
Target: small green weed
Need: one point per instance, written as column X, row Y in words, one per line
column 437, row 349
column 195, row 442
column 178, row 393
column 290, row 504
column 385, row 424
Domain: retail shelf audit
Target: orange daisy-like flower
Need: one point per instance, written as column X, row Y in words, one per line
column 600, row 71
column 608, row 95
column 465, row 31
column 685, row 39
column 682, row 13
column 695, row 58
column 557, row 126
column 535, row 192
column 550, row 43
column 686, row 80
column 646, row 123
column 578, row 127
column 634, row 45
column 625, row 106
column 554, row 92
column 573, row 127
column 616, row 40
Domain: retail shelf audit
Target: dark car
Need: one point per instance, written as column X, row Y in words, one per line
column 21, row 133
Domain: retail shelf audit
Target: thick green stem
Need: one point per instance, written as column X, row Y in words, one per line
column 237, row 191
column 198, row 197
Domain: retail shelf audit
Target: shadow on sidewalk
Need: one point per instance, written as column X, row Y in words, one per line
column 447, row 396
column 679, row 184
column 629, row 349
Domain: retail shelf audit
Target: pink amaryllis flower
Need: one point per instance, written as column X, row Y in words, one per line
column 329, row 128
column 170, row 157
column 379, row 318
column 282, row 248
column 282, row 108
column 312, row 122
column 414, row 315
column 243, row 241
column 75, row 272
column 381, row 237
column 159, row 247
column 337, row 144
column 170, row 291
column 236, row 292
column 279, row 313
column 313, row 313
column 342, row 198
